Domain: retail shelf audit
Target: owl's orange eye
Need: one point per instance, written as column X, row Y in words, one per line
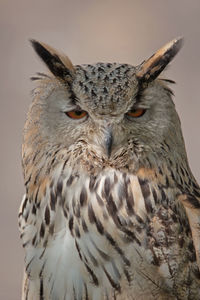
column 76, row 114
column 136, row 113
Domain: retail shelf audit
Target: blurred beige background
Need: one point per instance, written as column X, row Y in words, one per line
column 88, row 31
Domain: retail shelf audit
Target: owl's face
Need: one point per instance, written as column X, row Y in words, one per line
column 109, row 111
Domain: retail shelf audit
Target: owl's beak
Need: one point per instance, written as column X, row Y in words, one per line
column 108, row 142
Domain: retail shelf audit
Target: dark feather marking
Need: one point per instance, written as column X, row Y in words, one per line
column 117, row 248
column 22, row 235
column 85, row 258
column 38, row 175
column 166, row 182
column 74, row 292
column 27, row 292
column 26, row 215
column 41, row 289
column 52, row 162
column 121, row 193
column 51, row 184
column 70, row 180
column 130, row 204
column 131, row 235
column 167, row 89
column 25, row 243
column 144, row 187
column 159, row 168
column 193, row 201
column 94, row 278
column 77, row 211
column 181, row 241
column 35, row 78
column 196, row 273
column 71, row 223
column 85, row 74
column 174, row 217
column 196, row 192
column 195, row 186
column 155, row 196
column 27, row 266
column 24, row 204
column 107, row 186
column 115, row 285
column 52, row 201
column 128, row 276
column 93, row 219
column 42, row 230
column 34, row 209
column 172, row 176
column 92, row 182
column 65, row 212
column 34, row 239
column 103, row 254
column 42, row 269
column 28, row 180
column 156, row 261
column 168, row 80
column 78, row 249
column 47, row 215
column 77, row 232
column 93, row 259
column 40, row 76
column 111, row 206
column 59, row 187
column 96, row 185
column 83, row 197
column 112, row 210
column 91, row 214
column 43, row 74
column 164, row 198
column 86, row 292
column 146, row 194
column 43, row 252
column 84, row 225
column 64, row 165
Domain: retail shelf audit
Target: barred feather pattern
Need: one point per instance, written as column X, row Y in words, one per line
column 107, row 235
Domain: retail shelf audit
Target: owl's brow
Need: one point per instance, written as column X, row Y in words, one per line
column 142, row 87
column 72, row 96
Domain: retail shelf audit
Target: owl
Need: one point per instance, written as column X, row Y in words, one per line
column 111, row 210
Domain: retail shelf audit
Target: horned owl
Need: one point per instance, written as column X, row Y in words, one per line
column 112, row 210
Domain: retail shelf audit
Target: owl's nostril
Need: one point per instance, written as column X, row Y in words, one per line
column 108, row 142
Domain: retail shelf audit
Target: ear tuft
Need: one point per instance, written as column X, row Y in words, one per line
column 152, row 67
column 58, row 64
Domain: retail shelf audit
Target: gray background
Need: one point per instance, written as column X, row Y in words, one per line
column 87, row 31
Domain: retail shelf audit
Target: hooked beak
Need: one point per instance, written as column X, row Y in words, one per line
column 108, row 142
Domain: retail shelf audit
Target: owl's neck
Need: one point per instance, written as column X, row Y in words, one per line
column 156, row 167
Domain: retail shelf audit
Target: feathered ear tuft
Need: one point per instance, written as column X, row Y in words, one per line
column 58, row 64
column 152, row 67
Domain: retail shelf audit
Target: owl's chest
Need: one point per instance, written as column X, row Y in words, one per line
column 104, row 232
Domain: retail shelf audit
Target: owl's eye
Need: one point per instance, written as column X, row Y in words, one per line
column 136, row 113
column 76, row 114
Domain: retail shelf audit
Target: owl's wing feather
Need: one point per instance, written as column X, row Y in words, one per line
column 21, row 213
column 192, row 208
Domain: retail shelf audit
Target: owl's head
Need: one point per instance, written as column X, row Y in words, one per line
column 114, row 113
